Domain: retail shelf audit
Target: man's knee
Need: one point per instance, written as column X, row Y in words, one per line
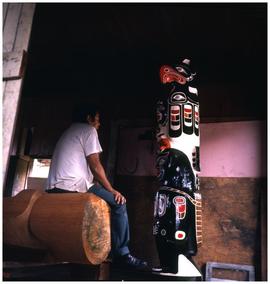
column 119, row 208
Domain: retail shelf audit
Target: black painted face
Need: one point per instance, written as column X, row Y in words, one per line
column 184, row 69
column 174, row 170
column 181, row 94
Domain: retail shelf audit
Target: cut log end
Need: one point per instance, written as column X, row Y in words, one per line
column 96, row 233
column 72, row 227
column 75, row 227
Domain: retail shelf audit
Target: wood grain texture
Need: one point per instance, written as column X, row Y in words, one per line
column 5, row 9
column 17, row 24
column 24, row 26
column 96, row 232
column 75, row 227
column 13, row 65
column 3, row 88
column 230, row 208
column 11, row 25
column 10, row 105
column 16, row 215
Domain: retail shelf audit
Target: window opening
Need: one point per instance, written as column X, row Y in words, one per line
column 40, row 168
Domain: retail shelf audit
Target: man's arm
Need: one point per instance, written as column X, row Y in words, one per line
column 100, row 175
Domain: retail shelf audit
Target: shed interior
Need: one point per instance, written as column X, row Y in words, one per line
column 110, row 54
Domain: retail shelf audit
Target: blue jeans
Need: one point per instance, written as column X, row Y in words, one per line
column 119, row 221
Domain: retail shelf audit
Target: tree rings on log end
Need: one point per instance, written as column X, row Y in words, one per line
column 96, row 231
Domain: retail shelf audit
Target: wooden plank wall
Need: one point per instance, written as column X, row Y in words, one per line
column 17, row 24
column 231, row 210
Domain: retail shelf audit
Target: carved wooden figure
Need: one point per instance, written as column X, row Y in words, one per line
column 178, row 225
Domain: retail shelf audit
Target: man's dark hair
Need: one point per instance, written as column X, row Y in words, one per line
column 81, row 112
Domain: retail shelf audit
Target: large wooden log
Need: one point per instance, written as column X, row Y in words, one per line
column 16, row 213
column 74, row 226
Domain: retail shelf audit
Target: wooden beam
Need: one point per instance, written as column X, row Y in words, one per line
column 14, row 65
column 11, row 25
column 3, row 88
column 5, row 9
column 17, row 24
column 9, row 107
column 24, row 27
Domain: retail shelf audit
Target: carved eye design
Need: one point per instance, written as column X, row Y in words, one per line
column 178, row 97
column 181, row 70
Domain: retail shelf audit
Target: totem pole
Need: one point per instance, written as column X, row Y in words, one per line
column 177, row 214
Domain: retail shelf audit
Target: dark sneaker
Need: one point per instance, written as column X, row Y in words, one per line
column 132, row 262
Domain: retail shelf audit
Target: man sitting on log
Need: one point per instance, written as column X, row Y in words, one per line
column 74, row 166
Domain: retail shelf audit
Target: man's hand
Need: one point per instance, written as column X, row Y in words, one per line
column 118, row 197
column 99, row 174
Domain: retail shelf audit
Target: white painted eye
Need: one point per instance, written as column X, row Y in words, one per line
column 179, row 97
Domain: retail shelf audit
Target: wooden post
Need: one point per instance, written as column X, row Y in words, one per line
column 17, row 24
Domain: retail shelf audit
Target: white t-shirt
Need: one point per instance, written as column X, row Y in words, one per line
column 69, row 169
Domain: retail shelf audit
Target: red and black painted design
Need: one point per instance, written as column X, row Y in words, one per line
column 188, row 120
column 196, row 119
column 178, row 164
column 175, row 231
column 175, row 116
column 180, row 207
column 169, row 75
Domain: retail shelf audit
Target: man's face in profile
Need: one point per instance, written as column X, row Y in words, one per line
column 95, row 122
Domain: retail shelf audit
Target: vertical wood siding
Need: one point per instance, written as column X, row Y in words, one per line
column 11, row 26
column 17, row 24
